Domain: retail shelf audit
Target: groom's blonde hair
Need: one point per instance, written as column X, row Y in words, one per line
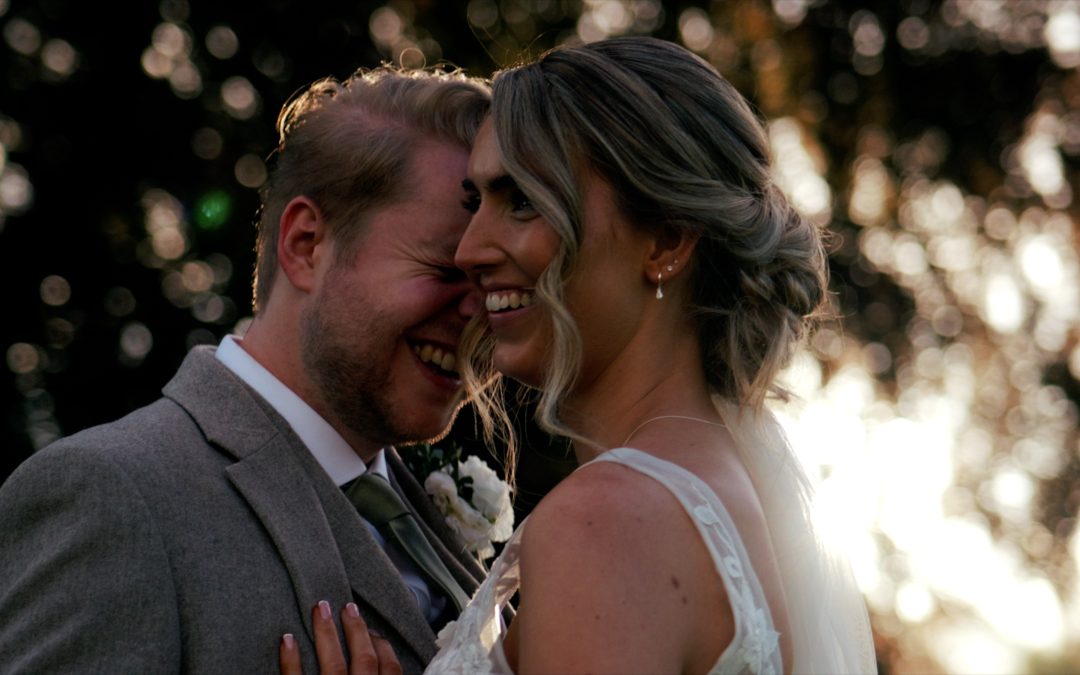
column 348, row 144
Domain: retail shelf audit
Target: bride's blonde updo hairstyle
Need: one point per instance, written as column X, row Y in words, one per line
column 684, row 153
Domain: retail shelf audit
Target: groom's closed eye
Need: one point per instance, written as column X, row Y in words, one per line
column 471, row 202
column 449, row 273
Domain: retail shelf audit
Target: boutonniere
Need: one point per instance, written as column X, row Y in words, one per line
column 471, row 497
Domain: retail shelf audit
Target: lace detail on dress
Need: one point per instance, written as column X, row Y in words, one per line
column 759, row 643
column 756, row 645
column 472, row 645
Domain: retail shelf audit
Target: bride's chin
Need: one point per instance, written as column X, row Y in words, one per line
column 519, row 372
column 526, row 360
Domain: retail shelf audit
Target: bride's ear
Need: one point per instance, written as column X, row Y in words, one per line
column 669, row 255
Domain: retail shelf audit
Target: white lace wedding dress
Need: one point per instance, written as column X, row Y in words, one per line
column 831, row 631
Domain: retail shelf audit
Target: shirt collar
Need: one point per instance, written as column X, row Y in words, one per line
column 330, row 450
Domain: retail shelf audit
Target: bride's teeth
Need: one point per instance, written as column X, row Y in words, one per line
column 425, row 352
column 448, row 363
column 512, row 300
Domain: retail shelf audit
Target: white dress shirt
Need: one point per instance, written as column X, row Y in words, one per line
column 330, row 450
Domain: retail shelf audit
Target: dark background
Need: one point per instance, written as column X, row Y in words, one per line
column 95, row 322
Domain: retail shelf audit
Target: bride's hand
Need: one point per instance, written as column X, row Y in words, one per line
column 369, row 654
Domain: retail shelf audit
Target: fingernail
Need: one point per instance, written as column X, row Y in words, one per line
column 324, row 609
column 376, row 634
column 289, row 640
column 352, row 609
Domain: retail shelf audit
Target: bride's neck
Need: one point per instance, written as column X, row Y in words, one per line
column 607, row 418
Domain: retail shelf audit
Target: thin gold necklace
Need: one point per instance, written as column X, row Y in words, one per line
column 671, row 417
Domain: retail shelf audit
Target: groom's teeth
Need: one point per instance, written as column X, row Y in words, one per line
column 436, row 357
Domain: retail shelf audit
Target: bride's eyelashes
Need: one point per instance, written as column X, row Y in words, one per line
column 500, row 190
column 521, row 207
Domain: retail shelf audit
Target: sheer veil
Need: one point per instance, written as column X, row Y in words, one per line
column 828, row 616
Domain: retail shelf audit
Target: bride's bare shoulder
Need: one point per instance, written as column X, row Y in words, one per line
column 613, row 571
column 603, row 509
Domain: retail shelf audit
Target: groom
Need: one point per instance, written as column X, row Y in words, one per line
column 190, row 535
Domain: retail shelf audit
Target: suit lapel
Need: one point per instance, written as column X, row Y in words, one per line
column 327, row 549
column 282, row 498
column 323, row 542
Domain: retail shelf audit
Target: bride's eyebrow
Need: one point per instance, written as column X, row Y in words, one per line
column 502, row 183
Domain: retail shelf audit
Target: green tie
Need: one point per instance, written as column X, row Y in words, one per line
column 381, row 506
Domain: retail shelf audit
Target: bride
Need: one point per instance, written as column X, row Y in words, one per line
column 643, row 273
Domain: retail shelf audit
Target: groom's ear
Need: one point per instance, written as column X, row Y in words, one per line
column 302, row 242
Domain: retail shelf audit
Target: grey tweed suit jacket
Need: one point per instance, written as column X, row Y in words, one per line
column 188, row 536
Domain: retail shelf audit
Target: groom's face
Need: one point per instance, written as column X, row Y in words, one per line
column 381, row 335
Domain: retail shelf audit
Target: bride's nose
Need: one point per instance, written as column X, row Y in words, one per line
column 479, row 249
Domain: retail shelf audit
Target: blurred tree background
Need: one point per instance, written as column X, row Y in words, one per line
column 938, row 139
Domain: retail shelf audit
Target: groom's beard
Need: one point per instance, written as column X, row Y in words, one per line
column 351, row 372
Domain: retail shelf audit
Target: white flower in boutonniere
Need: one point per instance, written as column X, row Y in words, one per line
column 469, row 494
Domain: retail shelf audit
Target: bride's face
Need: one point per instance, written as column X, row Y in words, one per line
column 508, row 245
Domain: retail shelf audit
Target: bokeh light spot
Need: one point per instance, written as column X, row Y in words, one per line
column 213, row 210
column 207, row 143
column 208, row 308
column 1003, row 305
column 22, row 36
column 23, row 358
column 185, row 80
column 16, row 191
column 483, row 13
column 156, row 64
column 119, row 301
column 197, row 276
column 55, row 290
column 136, row 341
column 168, row 244
column 695, row 29
column 1063, row 34
column 171, row 40
column 386, row 26
column 59, row 57
column 791, row 12
column 250, row 171
column 913, row 34
column 866, row 33
column 222, row 42
column 240, row 98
